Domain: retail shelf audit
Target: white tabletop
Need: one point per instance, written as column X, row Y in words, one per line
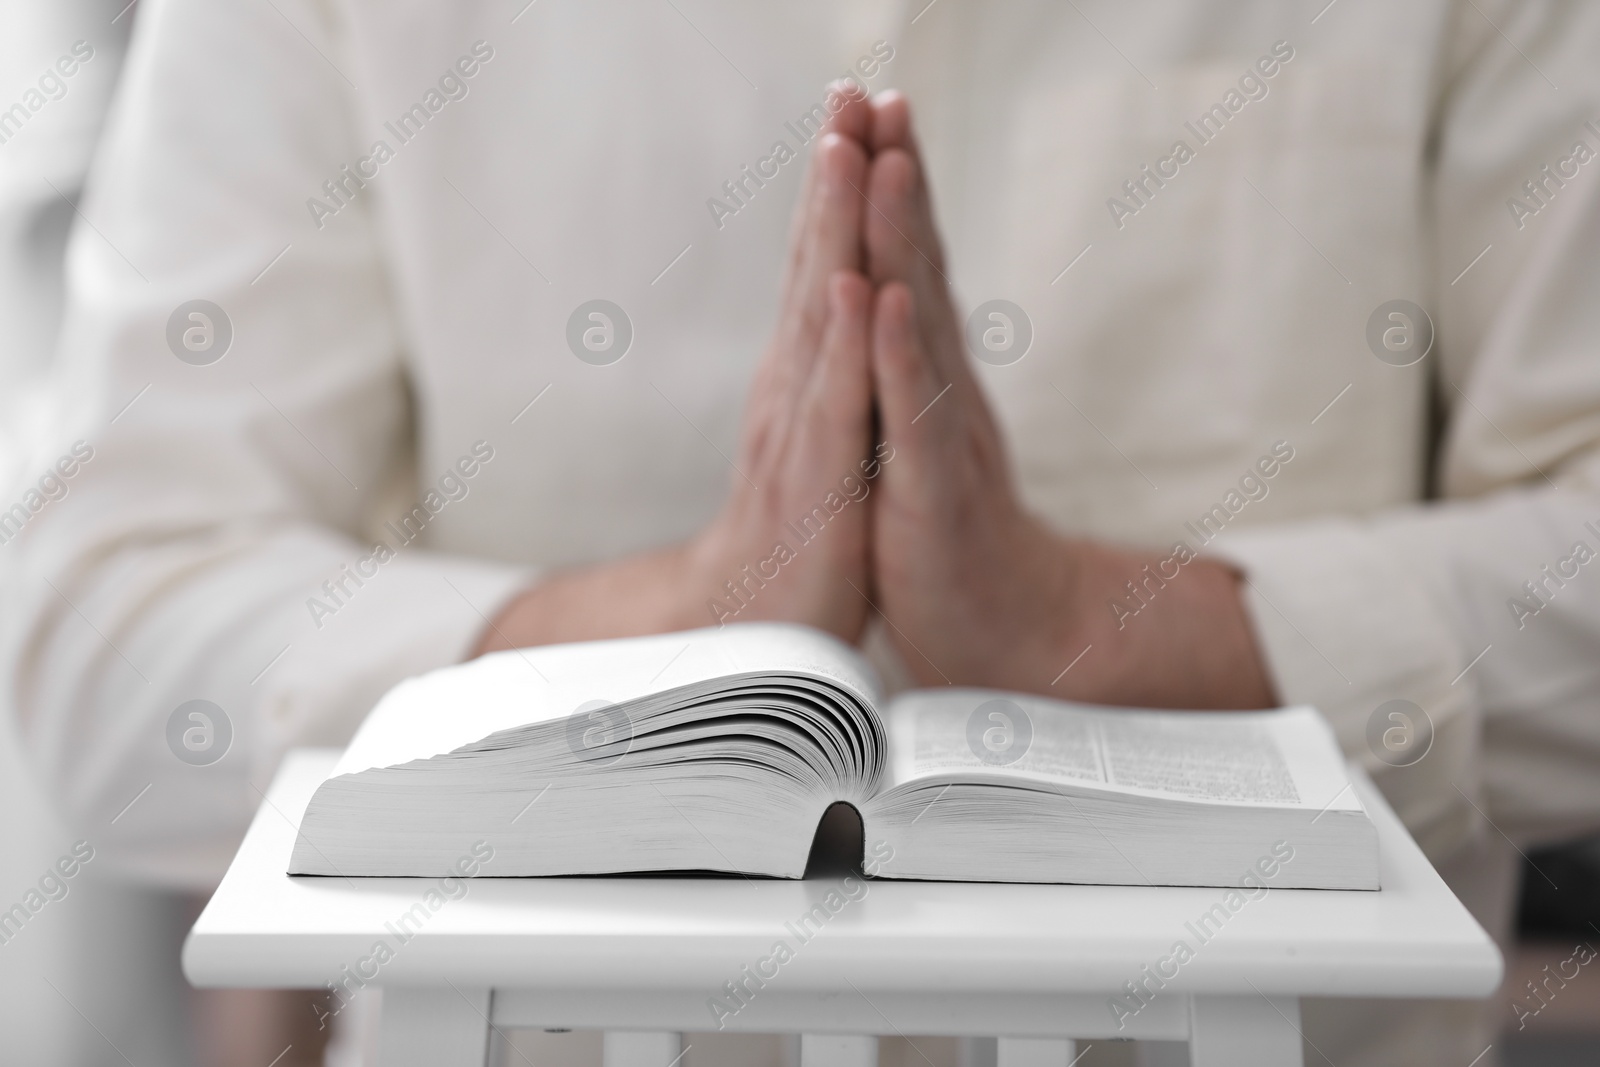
column 263, row 928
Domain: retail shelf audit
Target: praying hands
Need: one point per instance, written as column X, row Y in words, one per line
column 872, row 477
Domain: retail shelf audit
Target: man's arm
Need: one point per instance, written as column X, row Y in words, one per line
column 1345, row 613
column 806, row 430
column 179, row 562
column 979, row 592
column 224, row 500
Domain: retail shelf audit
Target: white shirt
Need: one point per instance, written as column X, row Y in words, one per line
column 1173, row 346
column 60, row 60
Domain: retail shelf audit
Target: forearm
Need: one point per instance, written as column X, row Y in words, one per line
column 1180, row 641
column 1022, row 607
column 642, row 594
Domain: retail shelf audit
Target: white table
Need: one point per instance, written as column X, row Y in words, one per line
column 640, row 958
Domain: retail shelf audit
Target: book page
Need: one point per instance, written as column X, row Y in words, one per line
column 1286, row 757
column 1208, row 760
column 445, row 709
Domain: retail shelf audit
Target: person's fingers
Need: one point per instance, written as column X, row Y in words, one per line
column 829, row 240
column 949, row 457
column 854, row 120
column 826, row 237
column 891, row 123
column 906, row 384
column 902, row 240
column 855, row 115
column 902, row 244
column 900, row 234
column 837, row 403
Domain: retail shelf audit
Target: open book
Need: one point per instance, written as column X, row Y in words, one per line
column 721, row 749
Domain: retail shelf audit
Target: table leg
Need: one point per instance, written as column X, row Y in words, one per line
column 977, row 1052
column 838, row 1050
column 1033, row 1052
column 1228, row 1031
column 433, row 1027
column 642, row 1048
column 1161, row 1054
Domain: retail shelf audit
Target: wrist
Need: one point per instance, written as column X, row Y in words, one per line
column 1165, row 631
column 1050, row 606
column 1088, row 660
column 655, row 592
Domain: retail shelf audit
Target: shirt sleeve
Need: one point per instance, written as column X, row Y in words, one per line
column 1481, row 606
column 217, row 485
column 46, row 140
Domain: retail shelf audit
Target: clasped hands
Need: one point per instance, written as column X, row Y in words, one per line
column 872, row 476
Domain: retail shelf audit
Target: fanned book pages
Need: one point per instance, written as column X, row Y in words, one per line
column 720, row 750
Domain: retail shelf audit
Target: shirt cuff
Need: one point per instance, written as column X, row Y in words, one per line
column 1343, row 627
column 418, row 613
